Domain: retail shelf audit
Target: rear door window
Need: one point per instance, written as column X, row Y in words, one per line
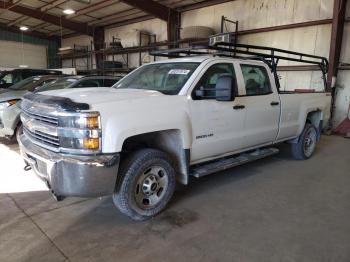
column 256, row 80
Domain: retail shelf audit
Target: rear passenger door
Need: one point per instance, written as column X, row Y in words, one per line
column 262, row 105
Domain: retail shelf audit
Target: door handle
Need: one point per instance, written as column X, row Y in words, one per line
column 274, row 103
column 238, row 107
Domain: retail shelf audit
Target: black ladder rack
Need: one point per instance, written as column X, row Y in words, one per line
column 269, row 55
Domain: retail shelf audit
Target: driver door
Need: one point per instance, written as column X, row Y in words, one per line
column 217, row 126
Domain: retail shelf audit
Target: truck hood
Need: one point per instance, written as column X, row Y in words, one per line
column 12, row 95
column 98, row 95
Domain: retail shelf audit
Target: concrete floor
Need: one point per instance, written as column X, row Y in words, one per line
column 276, row 209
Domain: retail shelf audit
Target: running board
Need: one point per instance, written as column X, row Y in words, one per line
column 226, row 163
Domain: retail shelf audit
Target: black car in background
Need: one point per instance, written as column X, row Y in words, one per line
column 31, row 83
column 9, row 78
column 80, row 82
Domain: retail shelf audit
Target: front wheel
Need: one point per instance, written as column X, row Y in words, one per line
column 146, row 186
column 306, row 144
column 19, row 131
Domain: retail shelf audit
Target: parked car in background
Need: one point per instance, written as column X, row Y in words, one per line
column 80, row 82
column 10, row 124
column 9, row 78
column 9, row 111
column 31, row 83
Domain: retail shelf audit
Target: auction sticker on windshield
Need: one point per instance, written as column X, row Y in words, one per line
column 179, row 72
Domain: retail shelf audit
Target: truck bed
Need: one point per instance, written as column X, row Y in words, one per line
column 294, row 108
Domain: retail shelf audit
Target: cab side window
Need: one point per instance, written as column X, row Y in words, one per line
column 256, row 80
column 106, row 82
column 210, row 77
column 88, row 83
column 8, row 78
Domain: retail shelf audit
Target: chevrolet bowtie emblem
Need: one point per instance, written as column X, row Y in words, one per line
column 29, row 125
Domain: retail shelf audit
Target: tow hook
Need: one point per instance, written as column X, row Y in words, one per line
column 27, row 167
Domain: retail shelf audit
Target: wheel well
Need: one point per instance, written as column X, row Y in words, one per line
column 315, row 118
column 168, row 141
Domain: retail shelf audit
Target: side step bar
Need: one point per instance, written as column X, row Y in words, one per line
column 226, row 163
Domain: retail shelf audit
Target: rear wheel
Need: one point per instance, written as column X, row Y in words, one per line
column 306, row 144
column 147, row 184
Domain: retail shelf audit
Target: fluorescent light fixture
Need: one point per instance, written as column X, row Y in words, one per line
column 68, row 11
column 23, row 28
column 23, row 66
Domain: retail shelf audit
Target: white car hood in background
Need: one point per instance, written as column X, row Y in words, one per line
column 12, row 95
column 93, row 96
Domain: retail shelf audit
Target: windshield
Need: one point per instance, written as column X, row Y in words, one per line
column 167, row 78
column 58, row 84
column 25, row 84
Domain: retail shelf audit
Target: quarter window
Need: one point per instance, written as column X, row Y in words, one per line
column 256, row 80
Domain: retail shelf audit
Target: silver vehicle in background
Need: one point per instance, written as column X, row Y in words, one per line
column 80, row 82
column 10, row 124
column 9, row 112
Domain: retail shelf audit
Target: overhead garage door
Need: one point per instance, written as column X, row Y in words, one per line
column 11, row 55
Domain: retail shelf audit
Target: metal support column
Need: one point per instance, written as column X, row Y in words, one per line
column 99, row 40
column 174, row 24
column 336, row 40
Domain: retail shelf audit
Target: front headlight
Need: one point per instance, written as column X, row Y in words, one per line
column 82, row 131
column 86, row 121
column 6, row 104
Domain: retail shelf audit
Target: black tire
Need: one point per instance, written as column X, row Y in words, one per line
column 144, row 169
column 299, row 150
column 19, row 131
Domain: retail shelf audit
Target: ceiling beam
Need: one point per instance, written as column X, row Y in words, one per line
column 129, row 21
column 17, row 21
column 52, row 19
column 151, row 7
column 33, row 33
column 117, row 17
column 44, row 8
column 201, row 4
column 93, row 7
column 52, row 5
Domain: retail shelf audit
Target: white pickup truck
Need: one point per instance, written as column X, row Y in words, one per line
column 162, row 123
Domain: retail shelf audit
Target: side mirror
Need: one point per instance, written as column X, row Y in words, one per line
column 225, row 88
column 2, row 82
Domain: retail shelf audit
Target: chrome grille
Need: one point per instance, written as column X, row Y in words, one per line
column 42, row 138
column 50, row 120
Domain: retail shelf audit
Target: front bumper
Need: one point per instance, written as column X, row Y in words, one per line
column 68, row 175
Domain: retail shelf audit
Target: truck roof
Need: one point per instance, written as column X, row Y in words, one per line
column 200, row 59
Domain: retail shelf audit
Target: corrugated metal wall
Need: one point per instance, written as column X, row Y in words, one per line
column 253, row 14
column 52, row 46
